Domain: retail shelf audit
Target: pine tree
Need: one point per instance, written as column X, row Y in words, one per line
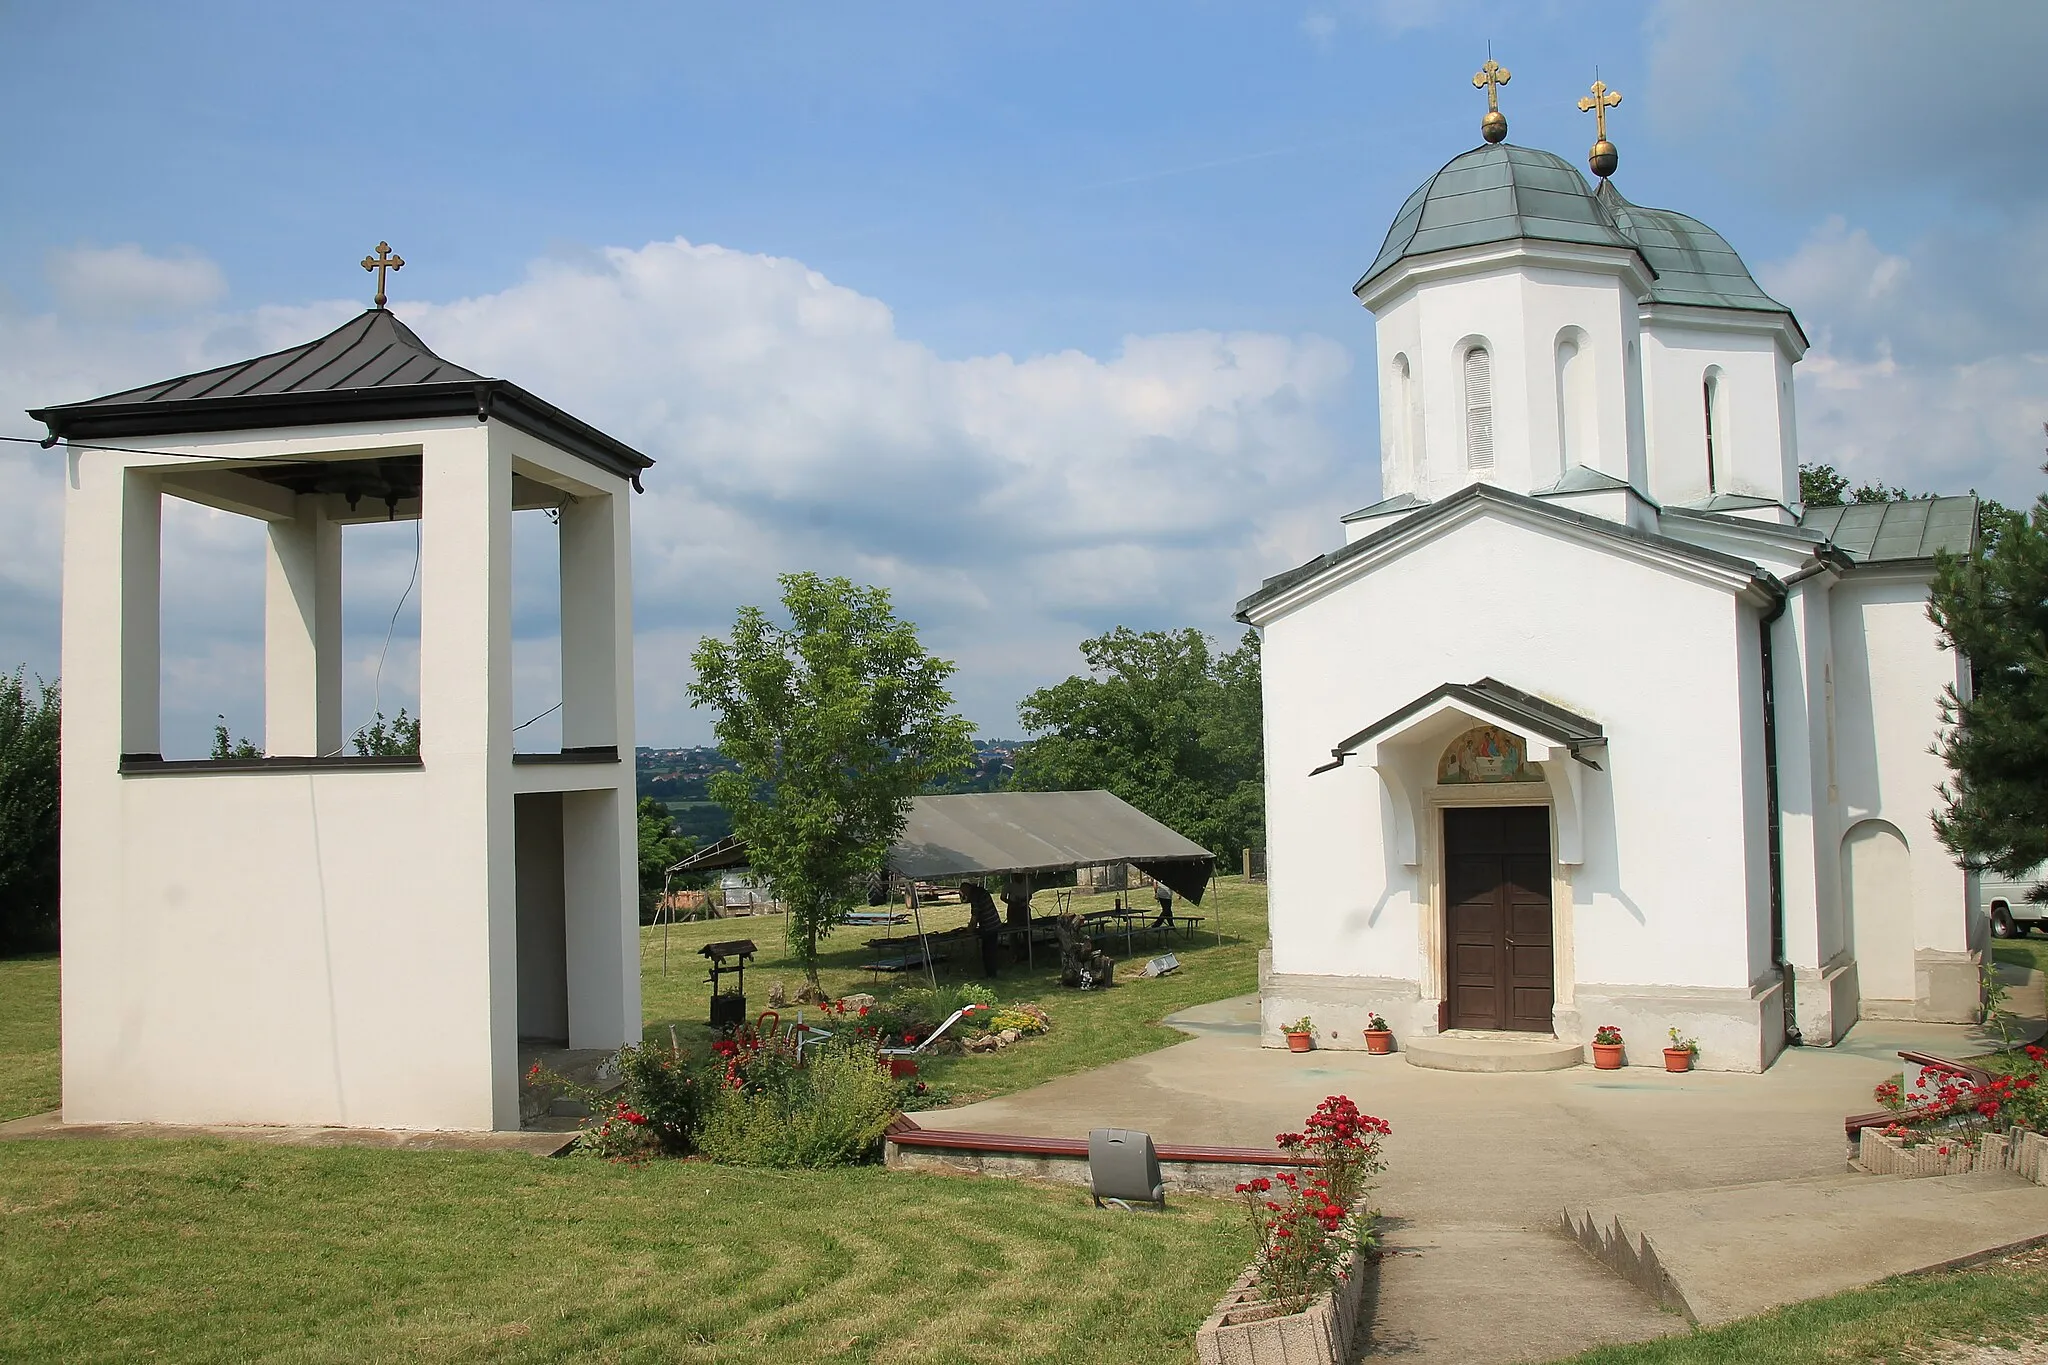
column 1992, row 607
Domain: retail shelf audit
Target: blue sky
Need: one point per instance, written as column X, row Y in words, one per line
column 1039, row 315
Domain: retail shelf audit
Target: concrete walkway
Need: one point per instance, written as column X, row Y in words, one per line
column 1481, row 1166
column 51, row 1127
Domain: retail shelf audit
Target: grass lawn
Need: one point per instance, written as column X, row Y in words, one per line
column 2031, row 951
column 28, row 1036
column 1089, row 1027
column 1902, row 1320
column 200, row 1251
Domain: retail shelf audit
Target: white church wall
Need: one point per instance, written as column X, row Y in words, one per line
column 1816, row 940
column 1889, row 672
column 1753, row 451
column 1519, row 311
column 1665, row 896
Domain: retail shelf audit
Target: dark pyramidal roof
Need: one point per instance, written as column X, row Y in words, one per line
column 371, row 368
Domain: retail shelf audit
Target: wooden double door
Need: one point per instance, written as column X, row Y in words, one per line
column 1498, row 968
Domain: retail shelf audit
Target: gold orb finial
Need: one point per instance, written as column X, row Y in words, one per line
column 1603, row 158
column 1491, row 78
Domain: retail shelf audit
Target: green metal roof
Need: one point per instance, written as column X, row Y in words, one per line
column 1694, row 263
column 1876, row 532
column 1498, row 193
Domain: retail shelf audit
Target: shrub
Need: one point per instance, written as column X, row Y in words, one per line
column 28, row 812
column 1308, row 1222
column 657, row 1110
column 1019, row 1020
column 830, row 1112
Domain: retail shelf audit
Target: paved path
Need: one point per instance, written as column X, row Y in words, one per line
column 1482, row 1165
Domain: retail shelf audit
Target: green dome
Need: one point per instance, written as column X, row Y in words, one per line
column 1497, row 193
column 1694, row 264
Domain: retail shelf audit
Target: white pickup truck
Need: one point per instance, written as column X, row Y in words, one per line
column 2004, row 900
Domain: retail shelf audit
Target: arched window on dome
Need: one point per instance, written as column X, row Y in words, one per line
column 1575, row 442
column 1478, row 372
column 1714, row 406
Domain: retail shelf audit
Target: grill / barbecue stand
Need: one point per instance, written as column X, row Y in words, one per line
column 728, row 1008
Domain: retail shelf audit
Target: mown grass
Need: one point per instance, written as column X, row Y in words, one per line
column 1089, row 1029
column 29, row 1058
column 205, row 1251
column 1909, row 1319
column 2023, row 952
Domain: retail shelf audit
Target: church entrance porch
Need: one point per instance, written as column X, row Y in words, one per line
column 1499, row 972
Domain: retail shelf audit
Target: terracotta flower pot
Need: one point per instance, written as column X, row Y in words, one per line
column 1300, row 1042
column 1607, row 1056
column 1379, row 1041
column 1678, row 1059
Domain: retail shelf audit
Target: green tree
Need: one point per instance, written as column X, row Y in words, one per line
column 1822, row 485
column 662, row 846
column 1992, row 607
column 1164, row 722
column 223, row 747
column 835, row 722
column 28, row 812
column 398, row 737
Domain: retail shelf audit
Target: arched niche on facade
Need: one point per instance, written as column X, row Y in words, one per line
column 1877, row 891
column 1577, row 427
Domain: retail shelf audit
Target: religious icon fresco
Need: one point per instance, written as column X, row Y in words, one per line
column 1485, row 753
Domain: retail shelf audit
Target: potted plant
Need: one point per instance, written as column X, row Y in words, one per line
column 1379, row 1038
column 1678, row 1056
column 1301, row 1034
column 1607, row 1048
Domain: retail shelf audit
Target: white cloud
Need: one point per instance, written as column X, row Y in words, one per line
column 127, row 282
column 1013, row 505
column 1927, row 369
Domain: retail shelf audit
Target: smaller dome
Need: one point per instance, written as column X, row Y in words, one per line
column 1499, row 193
column 1694, row 264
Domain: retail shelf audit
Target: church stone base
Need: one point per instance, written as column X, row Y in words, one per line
column 1339, row 1005
column 1825, row 1001
column 1947, row 990
column 1739, row 1028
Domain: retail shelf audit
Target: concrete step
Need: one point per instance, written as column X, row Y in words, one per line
column 1733, row 1251
column 1491, row 1052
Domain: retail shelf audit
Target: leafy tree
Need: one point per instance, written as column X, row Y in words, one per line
column 398, row 737
column 835, row 721
column 662, row 846
column 223, row 747
column 1822, row 485
column 28, row 812
column 1992, row 607
column 1164, row 722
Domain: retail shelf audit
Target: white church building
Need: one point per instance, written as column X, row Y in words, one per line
column 317, row 936
column 1589, row 721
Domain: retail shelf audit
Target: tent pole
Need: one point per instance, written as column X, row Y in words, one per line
column 924, row 947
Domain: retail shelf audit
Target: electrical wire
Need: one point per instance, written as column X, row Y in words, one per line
column 377, row 685
column 524, row 723
column 168, row 454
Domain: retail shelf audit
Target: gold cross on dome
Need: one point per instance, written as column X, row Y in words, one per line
column 1599, row 102
column 380, row 263
column 1491, row 78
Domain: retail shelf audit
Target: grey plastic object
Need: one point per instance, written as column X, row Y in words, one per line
column 1123, row 1164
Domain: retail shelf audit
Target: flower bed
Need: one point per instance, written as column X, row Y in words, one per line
column 1298, row 1300
column 1954, row 1121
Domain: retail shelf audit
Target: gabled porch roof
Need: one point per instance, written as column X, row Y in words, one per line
column 1492, row 701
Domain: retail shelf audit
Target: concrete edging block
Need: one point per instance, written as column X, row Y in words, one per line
column 1320, row 1334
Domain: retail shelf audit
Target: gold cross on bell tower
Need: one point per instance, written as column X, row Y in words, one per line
column 380, row 263
column 1603, row 158
column 1491, row 78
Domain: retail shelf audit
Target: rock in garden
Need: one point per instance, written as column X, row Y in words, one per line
column 859, row 1000
column 1009, row 1035
column 778, row 996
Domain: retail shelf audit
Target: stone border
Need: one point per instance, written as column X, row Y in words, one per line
column 1245, row 1331
column 2022, row 1153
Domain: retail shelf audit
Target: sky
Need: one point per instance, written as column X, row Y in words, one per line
column 1038, row 316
